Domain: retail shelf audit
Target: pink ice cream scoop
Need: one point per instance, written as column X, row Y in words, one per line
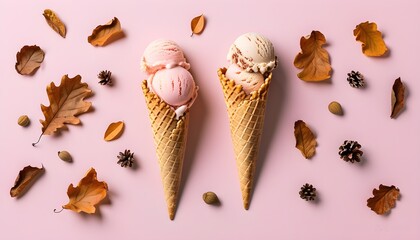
column 174, row 85
column 161, row 54
column 250, row 81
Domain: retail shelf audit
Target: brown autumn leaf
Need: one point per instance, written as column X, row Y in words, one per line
column 372, row 43
column 25, row 179
column 313, row 59
column 197, row 24
column 54, row 22
column 397, row 98
column 87, row 194
column 383, row 199
column 66, row 103
column 102, row 35
column 114, row 131
column 305, row 139
column 29, row 59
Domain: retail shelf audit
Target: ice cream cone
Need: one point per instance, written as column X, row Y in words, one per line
column 246, row 119
column 170, row 137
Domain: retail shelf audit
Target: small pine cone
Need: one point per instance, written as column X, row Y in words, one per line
column 307, row 192
column 105, row 77
column 126, row 158
column 355, row 79
column 350, row 151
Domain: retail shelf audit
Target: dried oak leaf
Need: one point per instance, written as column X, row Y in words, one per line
column 383, row 199
column 102, row 35
column 54, row 22
column 114, row 131
column 66, row 103
column 197, row 24
column 313, row 58
column 305, row 139
column 372, row 43
column 397, row 98
column 25, row 179
column 29, row 59
column 87, row 194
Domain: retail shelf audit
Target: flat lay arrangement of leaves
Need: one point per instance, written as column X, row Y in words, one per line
column 67, row 102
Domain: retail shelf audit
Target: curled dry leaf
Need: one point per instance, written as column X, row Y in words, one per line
column 383, row 199
column 372, row 43
column 66, row 103
column 114, row 131
column 54, row 22
column 305, row 139
column 28, row 59
column 197, row 24
column 25, row 179
column 397, row 98
column 87, row 194
column 313, row 59
column 102, row 35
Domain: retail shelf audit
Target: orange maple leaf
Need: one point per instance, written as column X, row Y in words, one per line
column 383, row 199
column 313, row 59
column 372, row 43
column 87, row 194
column 66, row 103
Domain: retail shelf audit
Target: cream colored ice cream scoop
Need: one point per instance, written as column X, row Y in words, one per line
column 253, row 53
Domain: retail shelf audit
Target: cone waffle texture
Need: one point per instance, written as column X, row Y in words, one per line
column 246, row 118
column 170, row 137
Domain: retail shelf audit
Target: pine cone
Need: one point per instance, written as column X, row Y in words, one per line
column 355, row 79
column 126, row 159
column 307, row 192
column 105, row 77
column 350, row 151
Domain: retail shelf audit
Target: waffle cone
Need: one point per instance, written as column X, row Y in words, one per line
column 246, row 119
column 170, row 137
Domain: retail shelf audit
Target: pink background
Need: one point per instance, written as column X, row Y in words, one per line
column 137, row 209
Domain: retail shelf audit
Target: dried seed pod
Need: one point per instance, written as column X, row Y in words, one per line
column 23, row 121
column 335, row 108
column 210, row 198
column 65, row 156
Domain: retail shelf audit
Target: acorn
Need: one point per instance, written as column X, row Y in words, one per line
column 65, row 156
column 210, row 198
column 335, row 108
column 23, row 120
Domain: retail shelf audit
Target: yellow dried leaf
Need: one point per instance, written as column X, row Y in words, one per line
column 397, row 98
column 114, row 131
column 372, row 43
column 313, row 59
column 54, row 22
column 87, row 194
column 25, row 179
column 66, row 103
column 102, row 35
column 383, row 199
column 305, row 139
column 197, row 24
column 28, row 59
